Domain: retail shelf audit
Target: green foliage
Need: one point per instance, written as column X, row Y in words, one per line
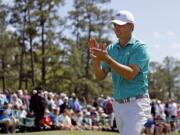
column 164, row 79
column 88, row 19
column 41, row 52
column 8, row 51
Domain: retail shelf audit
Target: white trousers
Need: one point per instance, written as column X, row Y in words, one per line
column 131, row 117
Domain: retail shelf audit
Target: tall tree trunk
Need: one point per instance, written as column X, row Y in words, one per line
column 169, row 84
column 88, row 55
column 169, row 79
column 3, row 73
column 31, row 52
column 21, row 69
column 32, row 62
column 26, row 83
column 43, row 68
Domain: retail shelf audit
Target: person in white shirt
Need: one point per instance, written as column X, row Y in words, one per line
column 66, row 120
column 172, row 108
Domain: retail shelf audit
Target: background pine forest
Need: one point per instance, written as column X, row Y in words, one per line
column 50, row 49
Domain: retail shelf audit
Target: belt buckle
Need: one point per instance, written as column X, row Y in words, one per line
column 125, row 100
column 132, row 99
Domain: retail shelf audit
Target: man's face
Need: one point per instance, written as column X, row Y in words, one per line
column 123, row 31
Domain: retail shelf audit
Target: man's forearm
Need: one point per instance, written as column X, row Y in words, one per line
column 125, row 71
column 100, row 74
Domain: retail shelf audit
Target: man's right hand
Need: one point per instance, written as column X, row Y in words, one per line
column 92, row 44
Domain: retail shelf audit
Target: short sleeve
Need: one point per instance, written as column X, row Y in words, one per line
column 140, row 56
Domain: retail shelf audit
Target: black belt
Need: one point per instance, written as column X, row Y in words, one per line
column 131, row 99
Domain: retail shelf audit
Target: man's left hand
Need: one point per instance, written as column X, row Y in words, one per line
column 100, row 52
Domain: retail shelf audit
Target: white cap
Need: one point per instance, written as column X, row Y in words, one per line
column 62, row 94
column 123, row 17
column 47, row 111
column 20, row 92
column 66, row 98
column 34, row 91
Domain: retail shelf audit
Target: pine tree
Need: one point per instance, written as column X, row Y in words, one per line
column 88, row 19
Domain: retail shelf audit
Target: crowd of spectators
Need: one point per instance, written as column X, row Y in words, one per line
column 165, row 118
column 43, row 110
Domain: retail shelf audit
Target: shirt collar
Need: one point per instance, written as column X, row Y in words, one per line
column 131, row 41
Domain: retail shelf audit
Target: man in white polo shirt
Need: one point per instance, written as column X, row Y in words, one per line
column 127, row 60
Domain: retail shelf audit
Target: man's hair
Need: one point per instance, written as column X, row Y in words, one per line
column 39, row 88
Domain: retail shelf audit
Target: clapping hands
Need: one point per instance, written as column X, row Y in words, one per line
column 97, row 51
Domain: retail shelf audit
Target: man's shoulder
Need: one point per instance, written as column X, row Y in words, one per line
column 138, row 42
column 138, row 45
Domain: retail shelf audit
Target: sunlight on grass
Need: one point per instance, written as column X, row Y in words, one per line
column 75, row 133
column 70, row 133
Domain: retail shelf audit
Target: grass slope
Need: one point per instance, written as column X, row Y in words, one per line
column 69, row 133
column 75, row 133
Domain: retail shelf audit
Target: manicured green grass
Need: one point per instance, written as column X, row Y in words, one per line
column 69, row 133
column 75, row 133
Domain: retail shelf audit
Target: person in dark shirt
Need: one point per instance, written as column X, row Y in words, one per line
column 38, row 105
column 64, row 105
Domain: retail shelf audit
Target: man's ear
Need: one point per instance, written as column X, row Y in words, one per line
column 132, row 27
